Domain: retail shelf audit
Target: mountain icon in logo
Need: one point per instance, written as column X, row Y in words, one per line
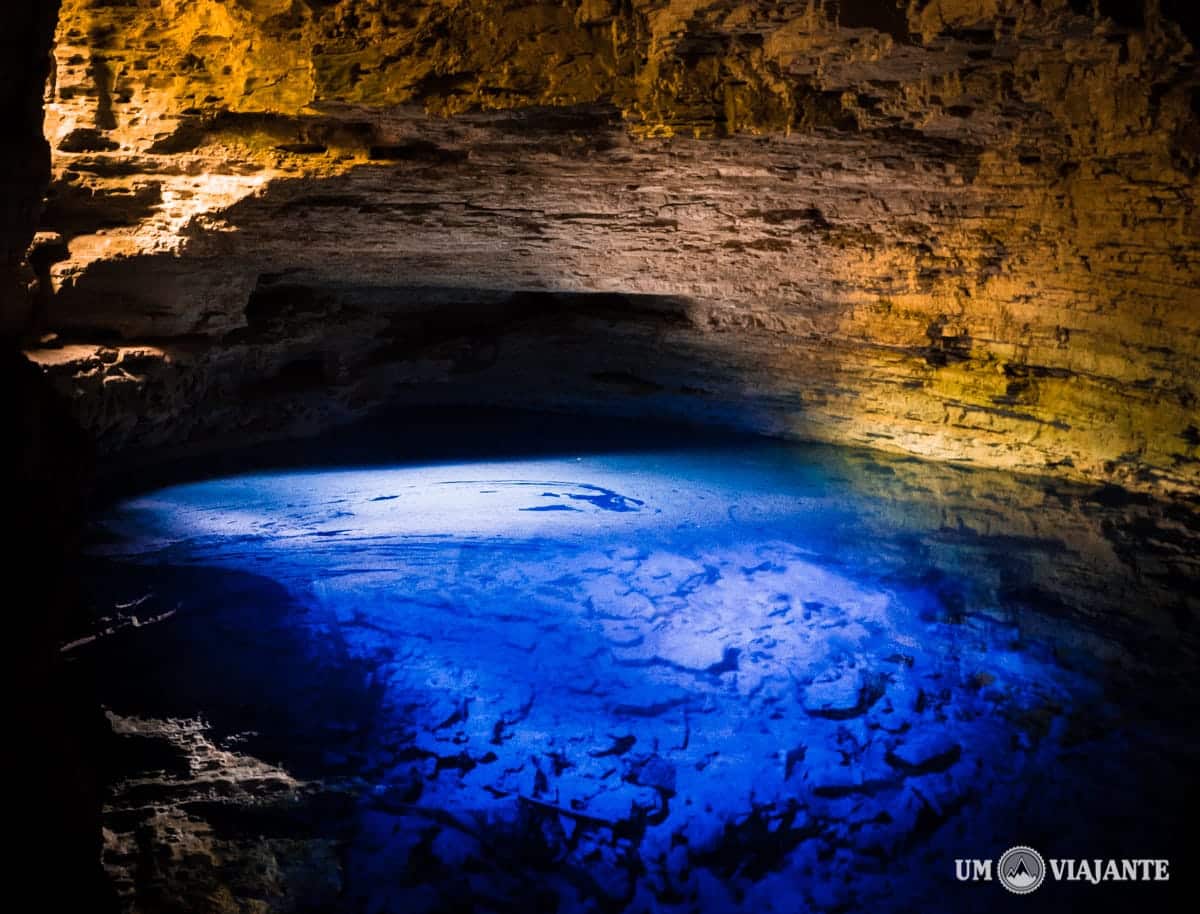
column 1021, row 870
column 1019, row 875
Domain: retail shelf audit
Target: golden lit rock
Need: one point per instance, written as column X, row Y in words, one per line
column 964, row 229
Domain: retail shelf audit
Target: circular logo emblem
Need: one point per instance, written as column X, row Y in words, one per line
column 1021, row 869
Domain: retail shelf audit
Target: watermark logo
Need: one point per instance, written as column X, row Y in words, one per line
column 1021, row 869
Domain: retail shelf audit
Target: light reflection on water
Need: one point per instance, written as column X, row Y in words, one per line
column 754, row 677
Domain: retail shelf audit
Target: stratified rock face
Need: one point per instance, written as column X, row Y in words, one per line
column 964, row 229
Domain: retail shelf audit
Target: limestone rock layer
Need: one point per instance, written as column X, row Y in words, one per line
column 963, row 229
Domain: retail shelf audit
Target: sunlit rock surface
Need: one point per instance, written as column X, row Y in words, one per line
column 719, row 676
column 960, row 229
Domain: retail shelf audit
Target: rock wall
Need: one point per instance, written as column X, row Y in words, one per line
column 964, row 229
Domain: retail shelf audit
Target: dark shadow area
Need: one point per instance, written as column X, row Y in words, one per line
column 58, row 804
column 407, row 436
column 236, row 654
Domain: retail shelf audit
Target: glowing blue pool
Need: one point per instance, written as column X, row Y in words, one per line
column 731, row 678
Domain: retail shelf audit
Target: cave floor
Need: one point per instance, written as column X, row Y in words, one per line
column 739, row 676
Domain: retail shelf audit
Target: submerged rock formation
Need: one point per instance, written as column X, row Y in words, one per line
column 964, row 229
column 742, row 677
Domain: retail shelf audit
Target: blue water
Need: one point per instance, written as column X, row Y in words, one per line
column 743, row 677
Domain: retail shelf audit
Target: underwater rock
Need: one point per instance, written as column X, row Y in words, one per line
column 925, row 753
column 396, row 729
column 849, row 695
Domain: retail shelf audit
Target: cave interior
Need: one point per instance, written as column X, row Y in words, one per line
column 602, row 455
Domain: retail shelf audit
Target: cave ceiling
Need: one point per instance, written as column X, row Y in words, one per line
column 961, row 229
